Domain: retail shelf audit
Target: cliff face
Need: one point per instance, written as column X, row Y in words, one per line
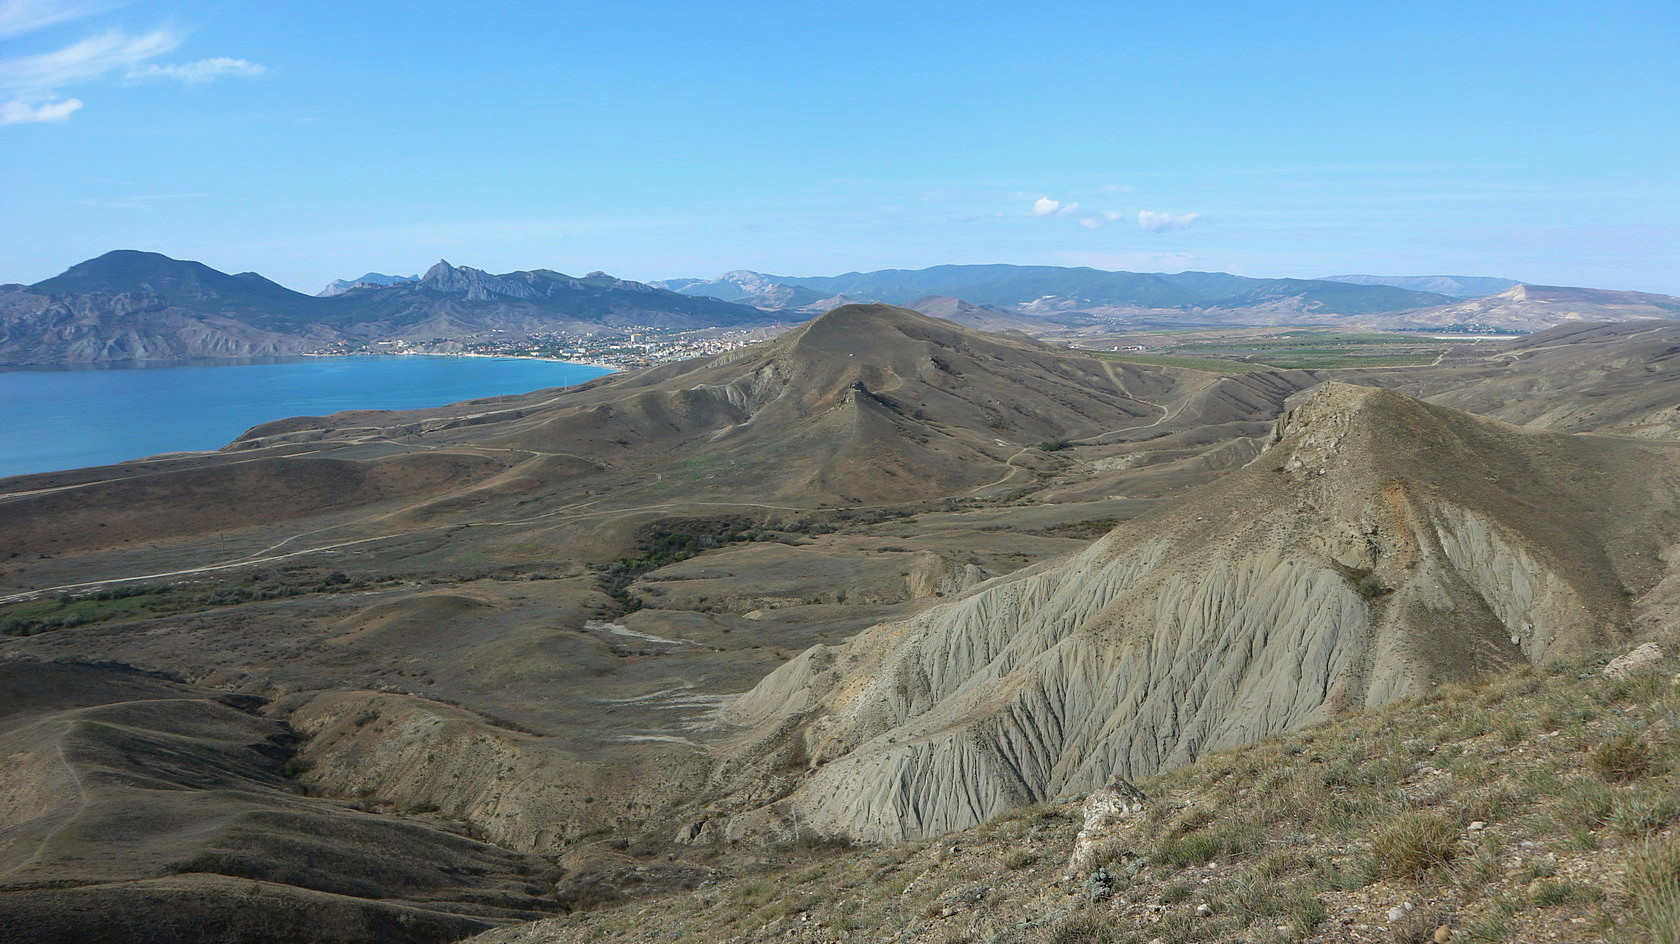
column 1378, row 547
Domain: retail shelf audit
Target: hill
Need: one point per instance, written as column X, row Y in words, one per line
column 1379, row 548
column 1535, row 805
column 1054, row 287
column 1458, row 286
column 1533, row 307
column 529, row 621
column 748, row 288
column 128, row 305
column 340, row 286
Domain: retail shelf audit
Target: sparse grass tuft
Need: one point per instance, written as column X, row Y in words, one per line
column 1551, row 893
column 1413, row 844
column 1017, row 859
column 1082, row 928
column 1621, row 759
column 1653, row 889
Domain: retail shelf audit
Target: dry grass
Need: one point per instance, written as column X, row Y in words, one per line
column 1653, row 890
column 1265, row 843
column 1413, row 844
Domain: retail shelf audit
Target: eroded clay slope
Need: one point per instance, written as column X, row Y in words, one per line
column 1379, row 546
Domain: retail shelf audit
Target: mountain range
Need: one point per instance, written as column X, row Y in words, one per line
column 1457, row 286
column 129, row 305
column 340, row 286
column 1056, row 288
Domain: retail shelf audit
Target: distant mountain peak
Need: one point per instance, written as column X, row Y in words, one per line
column 369, row 280
column 1456, row 286
column 475, row 284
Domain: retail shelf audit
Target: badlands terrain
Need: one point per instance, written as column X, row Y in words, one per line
column 677, row 653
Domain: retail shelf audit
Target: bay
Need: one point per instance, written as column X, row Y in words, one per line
column 65, row 419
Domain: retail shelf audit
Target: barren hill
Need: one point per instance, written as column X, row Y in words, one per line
column 524, row 617
column 1535, row 307
column 1379, row 547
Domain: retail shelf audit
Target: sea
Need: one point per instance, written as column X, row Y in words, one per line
column 53, row 419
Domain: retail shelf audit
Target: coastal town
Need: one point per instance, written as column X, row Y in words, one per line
column 625, row 349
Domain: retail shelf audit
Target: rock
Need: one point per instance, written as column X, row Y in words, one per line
column 1631, row 663
column 1108, row 808
column 1442, row 935
column 1477, row 826
column 1203, row 910
column 1399, row 912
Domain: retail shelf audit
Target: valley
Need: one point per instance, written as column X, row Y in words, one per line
column 876, row 579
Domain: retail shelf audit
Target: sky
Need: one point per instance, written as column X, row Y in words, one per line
column 310, row 141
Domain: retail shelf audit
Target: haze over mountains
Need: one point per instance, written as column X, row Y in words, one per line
column 129, row 305
column 440, row 670
column 1458, row 286
column 340, row 286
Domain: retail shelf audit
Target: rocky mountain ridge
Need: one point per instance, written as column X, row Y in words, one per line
column 130, row 305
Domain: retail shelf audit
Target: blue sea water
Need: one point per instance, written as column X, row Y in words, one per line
column 67, row 419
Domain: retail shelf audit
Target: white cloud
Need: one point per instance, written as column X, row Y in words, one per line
column 1162, row 222
column 32, row 83
column 17, row 112
column 91, row 58
column 1044, row 206
column 1097, row 221
column 204, row 70
column 26, row 16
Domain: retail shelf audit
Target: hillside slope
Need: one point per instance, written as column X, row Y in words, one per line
column 1534, row 806
column 1380, row 546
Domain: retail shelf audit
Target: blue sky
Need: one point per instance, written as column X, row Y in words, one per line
column 311, row 140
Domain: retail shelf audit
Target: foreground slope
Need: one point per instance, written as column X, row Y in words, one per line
column 1535, row 806
column 1379, row 547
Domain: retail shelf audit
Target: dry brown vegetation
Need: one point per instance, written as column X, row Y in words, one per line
column 1533, row 806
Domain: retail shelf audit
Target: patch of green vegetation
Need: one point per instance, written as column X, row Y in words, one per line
column 137, row 601
column 1213, row 364
column 669, row 542
column 1327, row 360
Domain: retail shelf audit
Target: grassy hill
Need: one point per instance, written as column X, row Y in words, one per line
column 1533, row 806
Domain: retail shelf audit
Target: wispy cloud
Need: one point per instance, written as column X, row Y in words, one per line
column 1163, row 222
column 18, row 113
column 1099, row 220
column 33, row 84
column 204, row 70
column 91, row 58
column 26, row 16
column 1044, row 206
